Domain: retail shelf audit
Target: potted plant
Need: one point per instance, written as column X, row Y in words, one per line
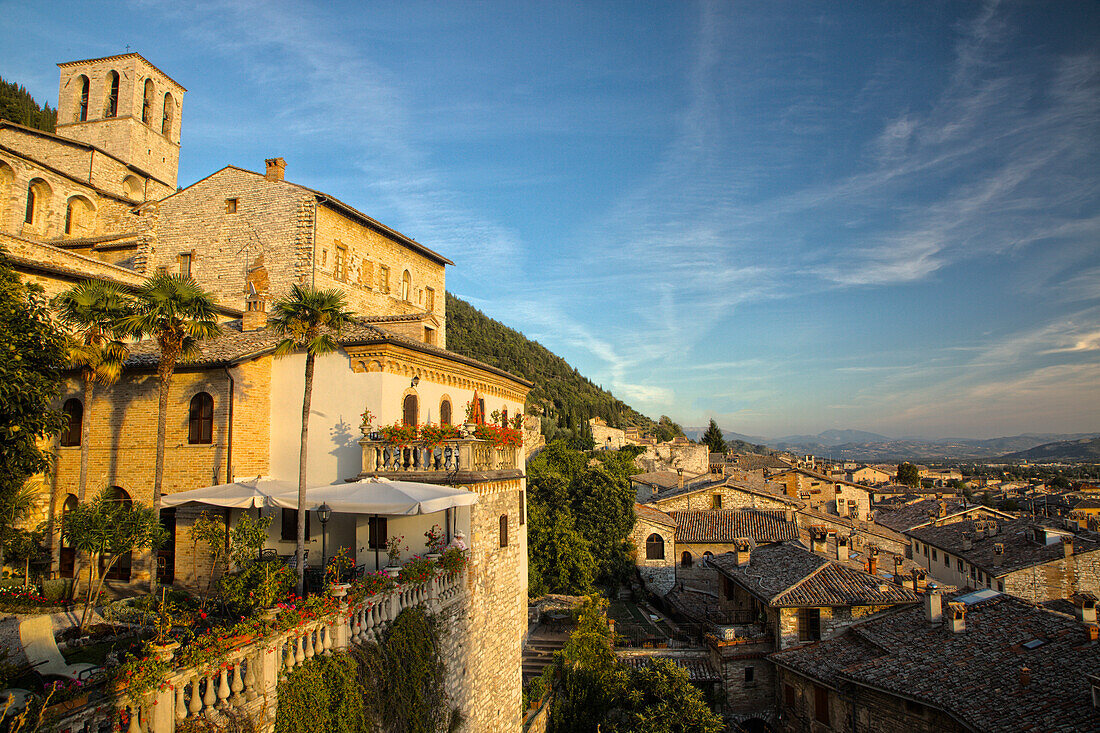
column 398, row 433
column 436, row 541
column 163, row 646
column 365, row 424
column 393, row 554
column 471, row 419
column 339, row 569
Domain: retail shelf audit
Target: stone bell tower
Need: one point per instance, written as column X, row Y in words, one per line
column 125, row 106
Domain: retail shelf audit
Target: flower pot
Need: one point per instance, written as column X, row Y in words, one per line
column 391, row 570
column 434, row 556
column 339, row 590
column 165, row 651
column 270, row 613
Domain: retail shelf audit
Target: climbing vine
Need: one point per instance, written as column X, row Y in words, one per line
column 399, row 681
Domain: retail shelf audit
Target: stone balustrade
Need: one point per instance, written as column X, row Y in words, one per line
column 447, row 462
column 244, row 682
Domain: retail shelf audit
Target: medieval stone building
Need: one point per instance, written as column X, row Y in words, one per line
column 99, row 199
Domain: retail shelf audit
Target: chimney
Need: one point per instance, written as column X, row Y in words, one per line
column 789, row 515
column 255, row 314
column 744, row 550
column 1025, row 676
column 1093, row 631
column 276, row 169
column 872, row 565
column 992, row 528
column 933, row 607
column 967, row 541
column 680, row 477
column 941, row 508
column 819, row 539
column 957, row 617
column 841, row 548
column 1084, row 605
column 920, row 579
column 1067, row 546
column 998, row 548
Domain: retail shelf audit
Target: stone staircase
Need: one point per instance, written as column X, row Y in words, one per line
column 539, row 650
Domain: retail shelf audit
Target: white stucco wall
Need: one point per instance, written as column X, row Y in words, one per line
column 339, row 398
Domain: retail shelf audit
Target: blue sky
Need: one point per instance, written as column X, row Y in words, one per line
column 788, row 216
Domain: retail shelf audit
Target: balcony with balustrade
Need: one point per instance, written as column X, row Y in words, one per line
column 243, row 683
column 461, row 460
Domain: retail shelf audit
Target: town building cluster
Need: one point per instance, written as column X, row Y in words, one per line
column 826, row 596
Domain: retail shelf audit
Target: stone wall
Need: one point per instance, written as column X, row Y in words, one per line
column 693, row 458
column 859, row 710
column 1058, row 579
column 746, row 698
column 659, row 576
column 57, row 270
column 833, row 621
column 498, row 609
column 732, row 498
column 367, row 251
column 95, row 213
column 606, row 437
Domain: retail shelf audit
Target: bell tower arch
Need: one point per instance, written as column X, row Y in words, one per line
column 125, row 106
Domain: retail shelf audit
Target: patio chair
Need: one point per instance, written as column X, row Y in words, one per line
column 292, row 563
column 36, row 635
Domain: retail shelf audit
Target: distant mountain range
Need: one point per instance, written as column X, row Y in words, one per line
column 858, row 445
column 1083, row 450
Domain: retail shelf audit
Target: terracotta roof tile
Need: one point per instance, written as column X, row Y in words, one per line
column 726, row 525
column 973, row 675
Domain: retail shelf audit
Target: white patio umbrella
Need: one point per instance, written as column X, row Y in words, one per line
column 261, row 491
column 382, row 496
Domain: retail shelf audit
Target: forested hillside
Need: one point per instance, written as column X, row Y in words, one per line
column 17, row 105
column 567, row 398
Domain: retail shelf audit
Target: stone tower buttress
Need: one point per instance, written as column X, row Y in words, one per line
column 126, row 107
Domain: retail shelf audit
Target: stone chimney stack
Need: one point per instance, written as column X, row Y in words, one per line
column 255, row 314
column 1025, row 676
column 957, row 617
column 1084, row 605
column 819, row 539
column 920, row 580
column 967, row 541
column 872, row 565
column 933, row 607
column 789, row 515
column 744, row 552
column 841, row 548
column 276, row 169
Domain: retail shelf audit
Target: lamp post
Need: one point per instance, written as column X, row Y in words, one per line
column 324, row 513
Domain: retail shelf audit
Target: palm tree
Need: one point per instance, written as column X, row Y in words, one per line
column 94, row 311
column 307, row 319
column 179, row 314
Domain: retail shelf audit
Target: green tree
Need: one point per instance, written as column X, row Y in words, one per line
column 32, row 350
column 560, row 560
column 178, row 314
column 307, row 318
column 713, row 438
column 667, row 429
column 908, row 475
column 106, row 528
column 94, row 312
column 15, row 509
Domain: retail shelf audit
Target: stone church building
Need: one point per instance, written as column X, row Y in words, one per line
column 99, row 199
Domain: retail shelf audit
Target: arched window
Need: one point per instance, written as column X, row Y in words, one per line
column 147, row 103
column 445, row 412
column 685, row 560
column 166, row 118
column 85, row 87
column 74, row 422
column 133, row 186
column 38, row 198
column 121, row 569
column 406, row 286
column 67, row 565
column 112, row 95
column 504, row 417
column 503, row 530
column 410, row 410
column 654, row 547
column 200, row 422
column 79, row 215
column 706, row 558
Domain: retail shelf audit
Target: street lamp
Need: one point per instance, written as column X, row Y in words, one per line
column 324, row 513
